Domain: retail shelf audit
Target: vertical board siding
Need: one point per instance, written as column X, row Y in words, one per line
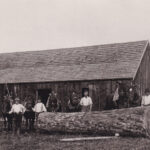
column 142, row 78
column 98, row 90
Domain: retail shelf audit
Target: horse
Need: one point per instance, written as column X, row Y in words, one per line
column 73, row 103
column 53, row 104
column 127, row 97
column 121, row 102
column 134, row 99
column 29, row 115
column 6, row 107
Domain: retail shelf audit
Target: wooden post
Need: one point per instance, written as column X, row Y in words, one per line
column 36, row 95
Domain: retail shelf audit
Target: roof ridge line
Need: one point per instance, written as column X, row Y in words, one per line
column 75, row 47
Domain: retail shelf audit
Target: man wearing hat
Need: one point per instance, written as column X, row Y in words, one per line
column 17, row 110
column 146, row 98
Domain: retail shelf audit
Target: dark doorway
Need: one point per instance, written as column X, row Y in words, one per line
column 43, row 94
column 84, row 89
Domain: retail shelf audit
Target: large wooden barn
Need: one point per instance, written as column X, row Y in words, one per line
column 97, row 68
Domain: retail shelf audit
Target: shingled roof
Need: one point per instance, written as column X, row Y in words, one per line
column 110, row 61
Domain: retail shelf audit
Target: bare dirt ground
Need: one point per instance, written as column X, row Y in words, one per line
column 50, row 141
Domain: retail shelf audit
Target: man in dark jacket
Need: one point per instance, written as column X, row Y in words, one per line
column 52, row 104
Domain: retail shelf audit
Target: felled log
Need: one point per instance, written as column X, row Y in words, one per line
column 126, row 122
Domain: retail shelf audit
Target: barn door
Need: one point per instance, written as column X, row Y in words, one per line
column 43, row 94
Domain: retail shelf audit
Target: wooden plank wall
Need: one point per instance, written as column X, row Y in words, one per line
column 142, row 78
column 98, row 90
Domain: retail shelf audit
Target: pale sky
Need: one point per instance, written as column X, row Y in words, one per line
column 47, row 24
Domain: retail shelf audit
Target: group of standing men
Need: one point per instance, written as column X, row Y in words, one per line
column 74, row 104
column 31, row 111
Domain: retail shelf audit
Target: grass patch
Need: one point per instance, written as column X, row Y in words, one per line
column 42, row 141
column 50, row 141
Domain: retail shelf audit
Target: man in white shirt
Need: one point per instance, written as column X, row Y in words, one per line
column 17, row 110
column 39, row 108
column 146, row 98
column 86, row 102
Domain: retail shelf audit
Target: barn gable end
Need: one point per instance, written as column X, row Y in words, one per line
column 143, row 73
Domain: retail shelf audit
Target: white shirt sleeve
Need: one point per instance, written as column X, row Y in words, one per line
column 23, row 108
column 12, row 109
column 81, row 101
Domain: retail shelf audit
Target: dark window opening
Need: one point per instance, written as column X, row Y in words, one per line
column 43, row 95
column 83, row 90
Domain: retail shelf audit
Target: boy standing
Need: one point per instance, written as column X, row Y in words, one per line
column 39, row 108
column 86, row 102
column 17, row 110
column 146, row 98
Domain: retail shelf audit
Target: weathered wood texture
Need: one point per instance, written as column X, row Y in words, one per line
column 98, row 90
column 115, row 62
column 126, row 122
column 143, row 74
column 103, row 62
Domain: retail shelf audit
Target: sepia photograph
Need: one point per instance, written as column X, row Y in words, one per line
column 74, row 75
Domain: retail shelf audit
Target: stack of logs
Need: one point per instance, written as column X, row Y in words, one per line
column 126, row 122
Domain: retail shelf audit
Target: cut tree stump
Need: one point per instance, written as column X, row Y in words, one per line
column 126, row 122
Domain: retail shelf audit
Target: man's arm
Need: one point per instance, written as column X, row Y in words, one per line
column 81, row 102
column 47, row 103
column 23, row 109
column 143, row 101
